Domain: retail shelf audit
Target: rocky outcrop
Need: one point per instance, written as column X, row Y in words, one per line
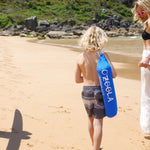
column 113, row 25
column 31, row 23
column 43, row 23
column 111, row 22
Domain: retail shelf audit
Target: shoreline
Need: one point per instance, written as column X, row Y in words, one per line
column 118, row 44
column 128, row 63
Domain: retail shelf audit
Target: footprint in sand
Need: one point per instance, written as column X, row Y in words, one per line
column 129, row 109
column 30, row 145
column 63, row 147
column 120, row 109
column 60, row 109
column 142, row 142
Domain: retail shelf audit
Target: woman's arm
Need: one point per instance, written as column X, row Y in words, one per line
column 114, row 74
column 148, row 26
column 145, row 61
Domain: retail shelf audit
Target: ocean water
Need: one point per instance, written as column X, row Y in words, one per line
column 129, row 46
column 124, row 50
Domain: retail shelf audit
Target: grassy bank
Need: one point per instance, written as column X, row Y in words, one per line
column 15, row 11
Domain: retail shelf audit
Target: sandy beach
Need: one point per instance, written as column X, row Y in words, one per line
column 41, row 107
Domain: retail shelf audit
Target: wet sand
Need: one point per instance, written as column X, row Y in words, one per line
column 41, row 106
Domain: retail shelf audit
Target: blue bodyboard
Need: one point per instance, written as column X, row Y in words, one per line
column 107, row 86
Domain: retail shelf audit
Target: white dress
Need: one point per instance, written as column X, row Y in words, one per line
column 145, row 97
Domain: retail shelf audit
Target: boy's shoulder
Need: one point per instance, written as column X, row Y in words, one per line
column 80, row 58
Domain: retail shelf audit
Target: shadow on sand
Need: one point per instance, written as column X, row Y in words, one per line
column 16, row 134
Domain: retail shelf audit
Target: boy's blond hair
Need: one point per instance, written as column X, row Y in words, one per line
column 93, row 39
column 144, row 4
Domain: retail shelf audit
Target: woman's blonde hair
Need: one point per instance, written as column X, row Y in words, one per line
column 144, row 4
column 93, row 39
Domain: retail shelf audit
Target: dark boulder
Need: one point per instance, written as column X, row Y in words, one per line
column 63, row 23
column 92, row 21
column 41, row 29
column 31, row 23
column 43, row 23
column 56, row 21
column 71, row 22
column 124, row 24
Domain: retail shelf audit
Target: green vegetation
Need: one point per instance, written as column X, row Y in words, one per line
column 16, row 11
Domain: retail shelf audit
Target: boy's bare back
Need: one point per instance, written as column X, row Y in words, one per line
column 86, row 67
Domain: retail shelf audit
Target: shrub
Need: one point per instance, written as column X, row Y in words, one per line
column 4, row 21
column 32, row 5
column 48, row 3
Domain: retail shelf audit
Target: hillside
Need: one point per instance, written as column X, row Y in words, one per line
column 16, row 11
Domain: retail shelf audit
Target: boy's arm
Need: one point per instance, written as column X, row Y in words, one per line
column 114, row 73
column 78, row 76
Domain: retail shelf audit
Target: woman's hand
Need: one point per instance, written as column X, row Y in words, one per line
column 144, row 63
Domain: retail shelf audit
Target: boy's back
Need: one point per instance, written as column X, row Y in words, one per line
column 87, row 63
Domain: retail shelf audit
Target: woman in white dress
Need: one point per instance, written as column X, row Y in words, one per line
column 141, row 13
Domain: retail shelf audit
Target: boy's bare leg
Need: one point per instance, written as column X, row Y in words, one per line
column 90, row 127
column 97, row 136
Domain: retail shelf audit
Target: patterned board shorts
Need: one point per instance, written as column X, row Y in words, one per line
column 93, row 101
